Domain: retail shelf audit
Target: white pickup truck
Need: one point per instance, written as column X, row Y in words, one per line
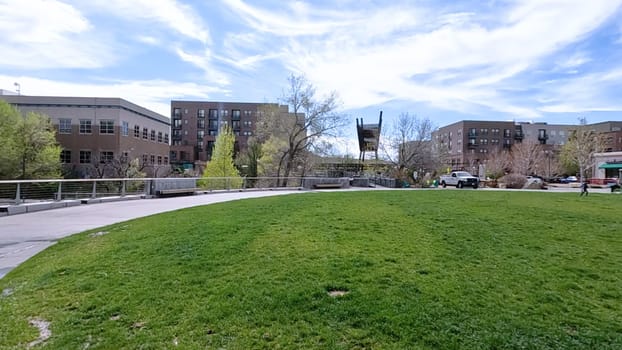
column 459, row 179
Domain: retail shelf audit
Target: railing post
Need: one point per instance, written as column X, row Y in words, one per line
column 59, row 193
column 123, row 188
column 94, row 193
column 18, row 196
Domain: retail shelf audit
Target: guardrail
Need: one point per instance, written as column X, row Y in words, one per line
column 31, row 191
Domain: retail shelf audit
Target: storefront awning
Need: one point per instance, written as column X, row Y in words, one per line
column 611, row 166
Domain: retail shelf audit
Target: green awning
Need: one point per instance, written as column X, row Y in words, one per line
column 611, row 166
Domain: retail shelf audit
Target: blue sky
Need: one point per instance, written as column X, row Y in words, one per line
column 530, row 60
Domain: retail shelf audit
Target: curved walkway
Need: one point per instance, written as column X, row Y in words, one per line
column 23, row 236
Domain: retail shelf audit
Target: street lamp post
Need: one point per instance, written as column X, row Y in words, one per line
column 18, row 87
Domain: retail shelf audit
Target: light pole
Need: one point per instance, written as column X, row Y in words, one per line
column 18, row 87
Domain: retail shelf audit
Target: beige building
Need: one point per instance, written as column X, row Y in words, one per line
column 96, row 133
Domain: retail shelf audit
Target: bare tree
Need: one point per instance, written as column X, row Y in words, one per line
column 408, row 144
column 526, row 156
column 308, row 120
column 580, row 148
column 497, row 163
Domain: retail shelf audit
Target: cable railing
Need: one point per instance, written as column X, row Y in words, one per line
column 14, row 192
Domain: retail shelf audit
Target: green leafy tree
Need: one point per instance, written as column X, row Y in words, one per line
column 220, row 172
column 28, row 147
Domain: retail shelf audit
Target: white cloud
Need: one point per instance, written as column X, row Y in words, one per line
column 48, row 34
column 152, row 94
column 371, row 60
column 176, row 16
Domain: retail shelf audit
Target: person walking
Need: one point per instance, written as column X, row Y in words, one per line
column 583, row 189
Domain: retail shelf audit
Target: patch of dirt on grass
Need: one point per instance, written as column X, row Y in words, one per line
column 337, row 293
column 44, row 331
column 7, row 292
column 97, row 234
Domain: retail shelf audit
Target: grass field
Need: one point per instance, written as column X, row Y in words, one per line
column 417, row 270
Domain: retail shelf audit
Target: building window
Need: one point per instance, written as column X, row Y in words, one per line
column 125, row 128
column 136, row 131
column 160, row 136
column 201, row 123
column 507, row 133
column 176, row 112
column 145, row 134
column 85, row 157
column 472, row 132
column 177, row 123
column 85, row 126
column 173, row 156
column 248, row 133
column 106, row 157
column 152, row 159
column 176, row 142
column 224, row 112
column 201, row 113
column 200, row 144
column 235, row 124
column 235, row 114
column 159, row 160
column 495, row 132
column 213, row 124
column 484, row 141
column 106, row 126
column 153, row 135
column 165, row 160
column 64, row 126
column 484, row 131
column 247, row 123
column 166, row 138
column 213, row 114
column 65, row 156
column 145, row 158
column 200, row 134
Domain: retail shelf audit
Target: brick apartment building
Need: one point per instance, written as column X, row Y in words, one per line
column 93, row 131
column 469, row 142
column 195, row 125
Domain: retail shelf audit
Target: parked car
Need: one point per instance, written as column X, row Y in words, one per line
column 459, row 179
column 569, row 179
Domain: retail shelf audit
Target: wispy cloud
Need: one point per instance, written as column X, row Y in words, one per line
column 39, row 34
column 338, row 50
column 174, row 15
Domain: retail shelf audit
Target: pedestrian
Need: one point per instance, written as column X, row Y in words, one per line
column 583, row 189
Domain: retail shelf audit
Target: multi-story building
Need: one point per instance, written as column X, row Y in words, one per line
column 95, row 131
column 195, row 125
column 468, row 143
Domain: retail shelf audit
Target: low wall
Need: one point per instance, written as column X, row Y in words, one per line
column 310, row 182
column 170, row 184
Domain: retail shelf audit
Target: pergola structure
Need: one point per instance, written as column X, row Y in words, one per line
column 369, row 138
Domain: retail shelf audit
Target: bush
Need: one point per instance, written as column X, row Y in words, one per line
column 514, row 180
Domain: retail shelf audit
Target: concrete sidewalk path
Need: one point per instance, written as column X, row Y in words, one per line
column 23, row 236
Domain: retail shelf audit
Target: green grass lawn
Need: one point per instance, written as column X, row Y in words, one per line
column 422, row 270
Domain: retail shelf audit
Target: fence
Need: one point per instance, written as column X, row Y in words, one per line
column 32, row 191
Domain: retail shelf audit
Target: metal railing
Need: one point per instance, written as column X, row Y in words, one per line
column 31, row 191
